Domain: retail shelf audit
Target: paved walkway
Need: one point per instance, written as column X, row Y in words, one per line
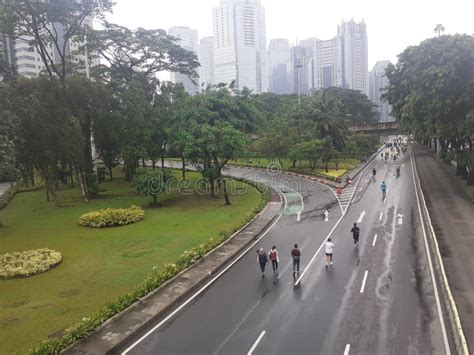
column 3, row 187
column 452, row 215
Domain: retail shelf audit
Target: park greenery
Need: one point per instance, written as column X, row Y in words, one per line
column 71, row 127
column 432, row 95
column 104, row 270
column 112, row 217
column 28, row 263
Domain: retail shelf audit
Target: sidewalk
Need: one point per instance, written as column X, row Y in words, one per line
column 114, row 332
column 4, row 186
column 452, row 216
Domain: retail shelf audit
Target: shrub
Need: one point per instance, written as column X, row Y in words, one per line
column 111, row 217
column 28, row 263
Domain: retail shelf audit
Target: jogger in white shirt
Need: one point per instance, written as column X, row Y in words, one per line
column 329, row 252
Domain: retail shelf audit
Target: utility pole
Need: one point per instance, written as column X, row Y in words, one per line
column 439, row 29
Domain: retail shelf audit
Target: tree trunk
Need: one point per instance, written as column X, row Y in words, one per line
column 144, row 163
column 110, row 173
column 32, row 175
column 82, row 184
column 153, row 164
column 162, row 161
column 226, row 194
column 183, row 167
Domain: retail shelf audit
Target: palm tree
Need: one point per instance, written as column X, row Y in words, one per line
column 328, row 119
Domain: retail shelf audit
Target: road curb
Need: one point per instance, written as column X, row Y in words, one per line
column 108, row 337
column 448, row 300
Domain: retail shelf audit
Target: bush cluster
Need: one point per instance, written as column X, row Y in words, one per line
column 154, row 280
column 27, row 263
column 111, row 217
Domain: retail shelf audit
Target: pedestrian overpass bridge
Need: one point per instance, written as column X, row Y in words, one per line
column 377, row 127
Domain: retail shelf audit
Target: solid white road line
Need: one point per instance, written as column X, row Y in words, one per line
column 347, row 349
column 381, row 215
column 375, row 239
column 254, row 346
column 201, row 290
column 363, row 282
column 332, row 230
column 433, row 279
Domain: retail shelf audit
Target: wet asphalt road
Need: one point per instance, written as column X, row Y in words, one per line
column 330, row 311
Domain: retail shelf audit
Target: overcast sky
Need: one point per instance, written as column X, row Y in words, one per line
column 391, row 25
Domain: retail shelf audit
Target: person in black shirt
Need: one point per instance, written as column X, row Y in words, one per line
column 262, row 259
column 296, row 255
column 355, row 234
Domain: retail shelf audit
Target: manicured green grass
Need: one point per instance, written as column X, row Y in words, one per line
column 98, row 264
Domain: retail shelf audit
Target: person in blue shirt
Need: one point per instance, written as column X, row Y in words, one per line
column 383, row 187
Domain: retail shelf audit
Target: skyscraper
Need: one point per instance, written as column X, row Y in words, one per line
column 300, row 70
column 28, row 60
column 240, row 44
column 188, row 39
column 279, row 52
column 206, row 59
column 378, row 82
column 328, row 63
column 354, row 55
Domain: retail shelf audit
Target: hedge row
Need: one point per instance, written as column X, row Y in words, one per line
column 28, row 263
column 112, row 217
column 154, row 280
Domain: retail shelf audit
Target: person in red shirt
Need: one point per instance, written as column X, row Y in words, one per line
column 273, row 256
column 296, row 255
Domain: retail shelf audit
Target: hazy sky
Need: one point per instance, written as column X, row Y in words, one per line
column 391, row 25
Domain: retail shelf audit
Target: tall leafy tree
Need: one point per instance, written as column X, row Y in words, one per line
column 51, row 24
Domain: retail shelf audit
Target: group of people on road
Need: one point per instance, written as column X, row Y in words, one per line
column 272, row 255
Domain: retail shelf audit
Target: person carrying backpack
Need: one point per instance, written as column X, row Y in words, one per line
column 262, row 259
column 273, row 256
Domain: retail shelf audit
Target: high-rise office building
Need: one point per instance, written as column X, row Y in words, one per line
column 328, row 63
column 206, row 59
column 377, row 83
column 27, row 59
column 354, row 55
column 279, row 52
column 300, row 70
column 240, row 44
column 187, row 39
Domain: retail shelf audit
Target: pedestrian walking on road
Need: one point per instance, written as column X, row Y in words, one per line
column 296, row 255
column 355, row 234
column 329, row 252
column 262, row 259
column 273, row 256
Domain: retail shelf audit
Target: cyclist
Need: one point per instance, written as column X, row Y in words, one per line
column 383, row 187
column 374, row 172
column 355, row 235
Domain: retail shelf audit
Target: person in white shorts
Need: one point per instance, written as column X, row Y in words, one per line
column 329, row 252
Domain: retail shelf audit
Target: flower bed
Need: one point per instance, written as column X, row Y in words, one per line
column 28, row 263
column 112, row 217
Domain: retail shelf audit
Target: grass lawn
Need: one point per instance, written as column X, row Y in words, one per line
column 336, row 168
column 98, row 264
